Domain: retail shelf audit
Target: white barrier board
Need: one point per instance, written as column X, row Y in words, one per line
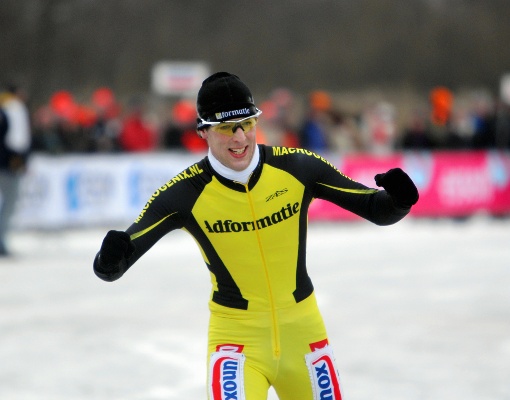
column 85, row 190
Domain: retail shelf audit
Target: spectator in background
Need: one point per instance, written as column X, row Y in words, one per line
column 67, row 124
column 463, row 127
column 502, row 133
column 180, row 131
column 325, row 128
column 180, row 119
column 441, row 128
column 318, row 120
column 136, row 135
column 378, row 127
column 15, row 145
column 45, row 132
column 104, row 134
column 346, row 136
column 277, row 119
column 416, row 135
column 484, row 123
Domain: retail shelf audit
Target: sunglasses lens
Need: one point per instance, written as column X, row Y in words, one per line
column 228, row 128
column 248, row 124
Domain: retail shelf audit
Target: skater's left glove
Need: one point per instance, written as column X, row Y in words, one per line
column 399, row 186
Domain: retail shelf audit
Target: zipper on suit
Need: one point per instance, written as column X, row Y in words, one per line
column 274, row 316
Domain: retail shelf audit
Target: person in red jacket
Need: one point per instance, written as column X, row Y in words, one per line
column 136, row 135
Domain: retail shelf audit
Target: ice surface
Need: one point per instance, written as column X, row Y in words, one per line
column 419, row 310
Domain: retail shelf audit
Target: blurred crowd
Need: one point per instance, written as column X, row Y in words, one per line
column 315, row 121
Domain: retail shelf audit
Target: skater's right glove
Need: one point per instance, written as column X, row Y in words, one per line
column 111, row 261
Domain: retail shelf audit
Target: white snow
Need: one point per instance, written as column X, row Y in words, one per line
column 419, row 310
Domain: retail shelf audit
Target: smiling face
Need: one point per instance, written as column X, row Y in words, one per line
column 234, row 151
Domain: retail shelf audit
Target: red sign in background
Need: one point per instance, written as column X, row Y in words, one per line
column 451, row 184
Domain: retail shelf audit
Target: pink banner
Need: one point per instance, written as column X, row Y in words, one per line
column 451, row 184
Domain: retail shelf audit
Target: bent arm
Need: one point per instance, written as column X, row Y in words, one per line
column 376, row 206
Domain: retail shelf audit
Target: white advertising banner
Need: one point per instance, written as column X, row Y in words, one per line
column 92, row 190
column 178, row 78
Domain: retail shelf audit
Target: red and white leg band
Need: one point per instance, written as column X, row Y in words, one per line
column 324, row 375
column 226, row 375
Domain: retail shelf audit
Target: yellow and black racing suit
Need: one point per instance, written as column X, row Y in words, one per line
column 264, row 317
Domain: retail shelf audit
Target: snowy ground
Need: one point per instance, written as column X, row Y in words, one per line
column 419, row 310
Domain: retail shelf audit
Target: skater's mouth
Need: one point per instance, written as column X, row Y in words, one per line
column 238, row 152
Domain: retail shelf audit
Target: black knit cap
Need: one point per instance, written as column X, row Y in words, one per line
column 224, row 96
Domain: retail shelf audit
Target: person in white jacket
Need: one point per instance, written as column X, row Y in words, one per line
column 15, row 143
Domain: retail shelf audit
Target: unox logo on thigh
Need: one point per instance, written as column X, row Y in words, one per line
column 226, row 374
column 323, row 374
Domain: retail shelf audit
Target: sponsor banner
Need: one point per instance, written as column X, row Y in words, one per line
column 451, row 184
column 458, row 184
column 178, row 78
column 92, row 190
column 102, row 190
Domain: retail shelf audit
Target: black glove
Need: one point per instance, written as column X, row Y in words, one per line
column 117, row 246
column 399, row 186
